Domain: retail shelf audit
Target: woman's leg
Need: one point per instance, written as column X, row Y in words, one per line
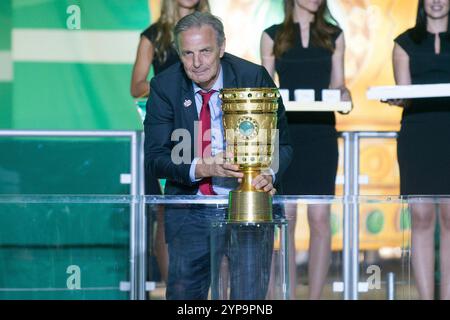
column 445, row 250
column 423, row 226
column 225, row 277
column 291, row 216
column 161, row 251
column 319, row 248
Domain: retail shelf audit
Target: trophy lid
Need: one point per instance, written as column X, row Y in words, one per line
column 249, row 94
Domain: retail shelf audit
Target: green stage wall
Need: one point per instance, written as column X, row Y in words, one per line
column 72, row 63
column 69, row 68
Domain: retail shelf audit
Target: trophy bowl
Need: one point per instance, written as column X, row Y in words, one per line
column 250, row 125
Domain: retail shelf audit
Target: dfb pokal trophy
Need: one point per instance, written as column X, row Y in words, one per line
column 250, row 124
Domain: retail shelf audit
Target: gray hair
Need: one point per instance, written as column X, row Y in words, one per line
column 197, row 20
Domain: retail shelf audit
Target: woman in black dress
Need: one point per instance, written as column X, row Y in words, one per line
column 422, row 56
column 156, row 48
column 307, row 52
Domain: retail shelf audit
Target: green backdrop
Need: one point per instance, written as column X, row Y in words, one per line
column 39, row 241
column 79, row 94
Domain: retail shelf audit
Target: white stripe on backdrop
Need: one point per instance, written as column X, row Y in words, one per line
column 6, row 66
column 50, row 45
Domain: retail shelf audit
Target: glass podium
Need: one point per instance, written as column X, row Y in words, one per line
column 94, row 247
column 64, row 247
column 249, row 261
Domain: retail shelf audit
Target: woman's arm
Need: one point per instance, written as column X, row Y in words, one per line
column 144, row 58
column 267, row 56
column 400, row 60
column 337, row 77
column 402, row 74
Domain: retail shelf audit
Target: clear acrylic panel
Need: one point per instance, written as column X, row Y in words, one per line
column 275, row 252
column 80, row 247
column 64, row 247
column 427, row 254
column 384, row 230
column 64, row 165
column 249, row 260
column 321, row 256
column 315, row 243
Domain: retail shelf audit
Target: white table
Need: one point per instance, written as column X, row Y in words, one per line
column 384, row 93
column 318, row 106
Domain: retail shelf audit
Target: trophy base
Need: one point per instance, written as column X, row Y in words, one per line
column 250, row 206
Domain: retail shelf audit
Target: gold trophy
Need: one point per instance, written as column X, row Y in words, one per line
column 250, row 123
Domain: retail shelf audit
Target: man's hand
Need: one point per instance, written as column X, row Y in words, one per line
column 216, row 167
column 264, row 182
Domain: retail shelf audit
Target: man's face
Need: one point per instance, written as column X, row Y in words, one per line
column 200, row 55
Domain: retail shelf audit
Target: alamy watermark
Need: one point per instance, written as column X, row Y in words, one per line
column 235, row 149
column 74, row 279
column 73, row 21
column 374, row 279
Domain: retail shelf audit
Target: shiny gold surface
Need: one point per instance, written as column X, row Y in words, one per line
column 250, row 122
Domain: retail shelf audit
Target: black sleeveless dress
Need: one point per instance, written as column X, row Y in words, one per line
column 172, row 56
column 152, row 184
column 423, row 145
column 313, row 134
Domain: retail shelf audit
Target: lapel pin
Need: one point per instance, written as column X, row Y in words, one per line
column 187, row 103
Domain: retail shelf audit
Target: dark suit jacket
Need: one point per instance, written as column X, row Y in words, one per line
column 166, row 112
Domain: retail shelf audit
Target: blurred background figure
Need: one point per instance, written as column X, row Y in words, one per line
column 156, row 48
column 306, row 51
column 422, row 56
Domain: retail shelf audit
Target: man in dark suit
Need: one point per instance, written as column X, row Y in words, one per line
column 179, row 97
